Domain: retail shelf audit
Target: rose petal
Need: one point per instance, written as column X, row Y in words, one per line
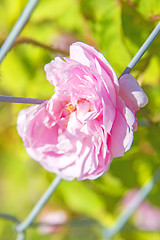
column 88, row 120
column 86, row 54
column 131, row 93
column 121, row 136
column 109, row 111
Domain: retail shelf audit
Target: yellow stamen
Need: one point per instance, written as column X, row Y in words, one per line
column 70, row 108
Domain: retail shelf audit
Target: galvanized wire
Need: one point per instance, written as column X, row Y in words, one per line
column 128, row 69
column 22, row 226
column 142, row 50
column 21, row 100
column 19, row 25
column 127, row 213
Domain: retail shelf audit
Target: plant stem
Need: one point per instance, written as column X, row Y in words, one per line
column 27, row 40
column 28, row 221
column 127, row 213
column 21, row 100
column 19, row 25
column 142, row 50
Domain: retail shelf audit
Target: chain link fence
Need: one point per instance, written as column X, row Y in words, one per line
column 20, row 227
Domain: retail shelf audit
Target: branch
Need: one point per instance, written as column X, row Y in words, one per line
column 27, row 40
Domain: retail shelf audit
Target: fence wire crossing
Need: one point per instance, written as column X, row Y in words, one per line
column 21, row 227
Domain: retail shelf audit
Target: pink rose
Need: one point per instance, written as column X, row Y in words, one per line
column 52, row 221
column 88, row 121
column 146, row 216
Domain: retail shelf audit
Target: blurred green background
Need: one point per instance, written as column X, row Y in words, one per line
column 117, row 28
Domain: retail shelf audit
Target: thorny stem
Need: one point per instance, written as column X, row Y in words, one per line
column 28, row 221
column 19, row 25
column 127, row 213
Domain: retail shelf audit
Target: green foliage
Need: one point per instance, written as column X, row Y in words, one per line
column 117, row 28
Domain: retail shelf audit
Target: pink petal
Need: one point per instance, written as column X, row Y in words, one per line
column 131, row 93
column 86, row 54
column 88, row 120
column 31, row 127
column 55, row 72
column 54, row 109
column 121, row 136
column 109, row 110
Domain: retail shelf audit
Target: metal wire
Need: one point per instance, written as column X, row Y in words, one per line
column 127, row 213
column 21, row 227
column 21, row 100
column 19, row 25
column 142, row 50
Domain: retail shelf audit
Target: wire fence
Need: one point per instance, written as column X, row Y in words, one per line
column 21, row 227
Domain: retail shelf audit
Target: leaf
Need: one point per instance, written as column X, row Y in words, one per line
column 83, row 200
column 153, row 67
column 135, row 28
column 107, row 32
column 149, row 8
column 153, row 137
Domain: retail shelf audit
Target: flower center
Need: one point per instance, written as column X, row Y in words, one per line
column 70, row 108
